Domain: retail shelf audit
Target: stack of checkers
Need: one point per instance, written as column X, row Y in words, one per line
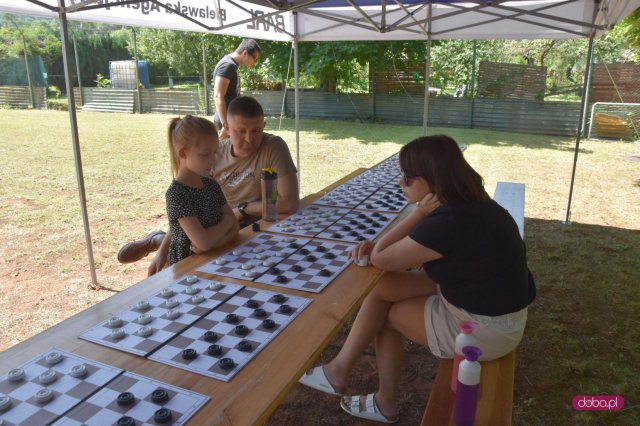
column 224, row 341
column 297, row 263
column 148, row 324
column 131, row 400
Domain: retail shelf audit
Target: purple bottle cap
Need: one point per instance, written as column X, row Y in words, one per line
column 471, row 353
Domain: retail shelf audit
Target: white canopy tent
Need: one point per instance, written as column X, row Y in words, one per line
column 316, row 20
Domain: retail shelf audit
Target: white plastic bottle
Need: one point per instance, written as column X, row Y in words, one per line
column 464, row 338
column 466, row 403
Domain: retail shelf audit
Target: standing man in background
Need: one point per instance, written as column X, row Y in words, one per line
column 226, row 81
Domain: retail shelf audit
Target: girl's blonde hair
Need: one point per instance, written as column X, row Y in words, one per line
column 183, row 132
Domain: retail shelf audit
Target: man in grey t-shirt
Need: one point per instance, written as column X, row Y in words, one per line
column 238, row 162
column 226, row 81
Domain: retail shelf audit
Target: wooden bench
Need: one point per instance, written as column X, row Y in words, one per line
column 496, row 381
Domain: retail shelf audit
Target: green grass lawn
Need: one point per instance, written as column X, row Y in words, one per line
column 582, row 336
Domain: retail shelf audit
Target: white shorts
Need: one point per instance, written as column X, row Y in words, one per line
column 497, row 335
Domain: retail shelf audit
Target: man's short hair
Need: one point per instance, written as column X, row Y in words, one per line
column 245, row 106
column 250, row 45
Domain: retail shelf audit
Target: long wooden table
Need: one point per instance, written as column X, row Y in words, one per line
column 255, row 392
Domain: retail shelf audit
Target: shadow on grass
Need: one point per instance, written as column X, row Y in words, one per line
column 374, row 133
column 582, row 335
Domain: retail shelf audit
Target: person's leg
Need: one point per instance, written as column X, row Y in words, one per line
column 136, row 250
column 392, row 287
column 405, row 320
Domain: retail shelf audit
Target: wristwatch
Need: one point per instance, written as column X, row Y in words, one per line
column 241, row 207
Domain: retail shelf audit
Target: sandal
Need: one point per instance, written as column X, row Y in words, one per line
column 316, row 379
column 370, row 411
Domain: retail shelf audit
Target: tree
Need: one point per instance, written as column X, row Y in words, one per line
column 40, row 36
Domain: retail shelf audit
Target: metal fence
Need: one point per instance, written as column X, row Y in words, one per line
column 552, row 118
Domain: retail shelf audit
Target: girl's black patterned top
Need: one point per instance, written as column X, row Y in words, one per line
column 205, row 203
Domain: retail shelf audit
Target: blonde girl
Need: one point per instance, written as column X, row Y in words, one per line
column 199, row 217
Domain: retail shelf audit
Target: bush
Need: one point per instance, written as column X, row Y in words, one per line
column 53, row 92
column 102, row 81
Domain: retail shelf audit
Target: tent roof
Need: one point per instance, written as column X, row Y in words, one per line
column 318, row 20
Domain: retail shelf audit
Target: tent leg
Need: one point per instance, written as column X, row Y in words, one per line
column 296, row 93
column 427, row 71
column 585, row 91
column 74, row 136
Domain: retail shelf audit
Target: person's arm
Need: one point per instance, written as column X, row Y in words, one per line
column 288, row 193
column 220, row 87
column 159, row 261
column 205, row 239
column 396, row 251
column 288, row 198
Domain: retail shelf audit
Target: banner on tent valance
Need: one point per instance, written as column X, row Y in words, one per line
column 236, row 18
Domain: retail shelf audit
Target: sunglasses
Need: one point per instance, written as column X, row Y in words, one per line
column 405, row 178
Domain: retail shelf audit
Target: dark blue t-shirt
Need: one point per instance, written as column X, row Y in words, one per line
column 484, row 265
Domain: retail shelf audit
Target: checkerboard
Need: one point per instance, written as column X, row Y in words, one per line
column 64, row 378
column 385, row 199
column 357, row 226
column 309, row 221
column 188, row 299
column 103, row 409
column 311, row 268
column 346, row 196
column 252, row 316
column 254, row 257
column 376, row 177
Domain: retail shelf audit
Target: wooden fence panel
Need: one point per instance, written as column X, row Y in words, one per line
column 615, row 83
column 20, row 97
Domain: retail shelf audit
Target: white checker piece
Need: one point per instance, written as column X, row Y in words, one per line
column 102, row 408
column 68, row 391
column 358, row 226
column 192, row 302
column 311, row 268
column 244, row 305
column 254, row 257
column 375, row 177
column 309, row 221
column 385, row 199
column 346, row 196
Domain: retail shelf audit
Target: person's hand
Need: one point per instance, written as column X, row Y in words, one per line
column 363, row 248
column 157, row 264
column 224, row 134
column 196, row 250
column 428, row 204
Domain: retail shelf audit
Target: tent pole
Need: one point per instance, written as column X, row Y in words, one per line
column 427, row 71
column 585, row 91
column 64, row 35
column 75, row 53
column 135, row 71
column 207, row 107
column 296, row 92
